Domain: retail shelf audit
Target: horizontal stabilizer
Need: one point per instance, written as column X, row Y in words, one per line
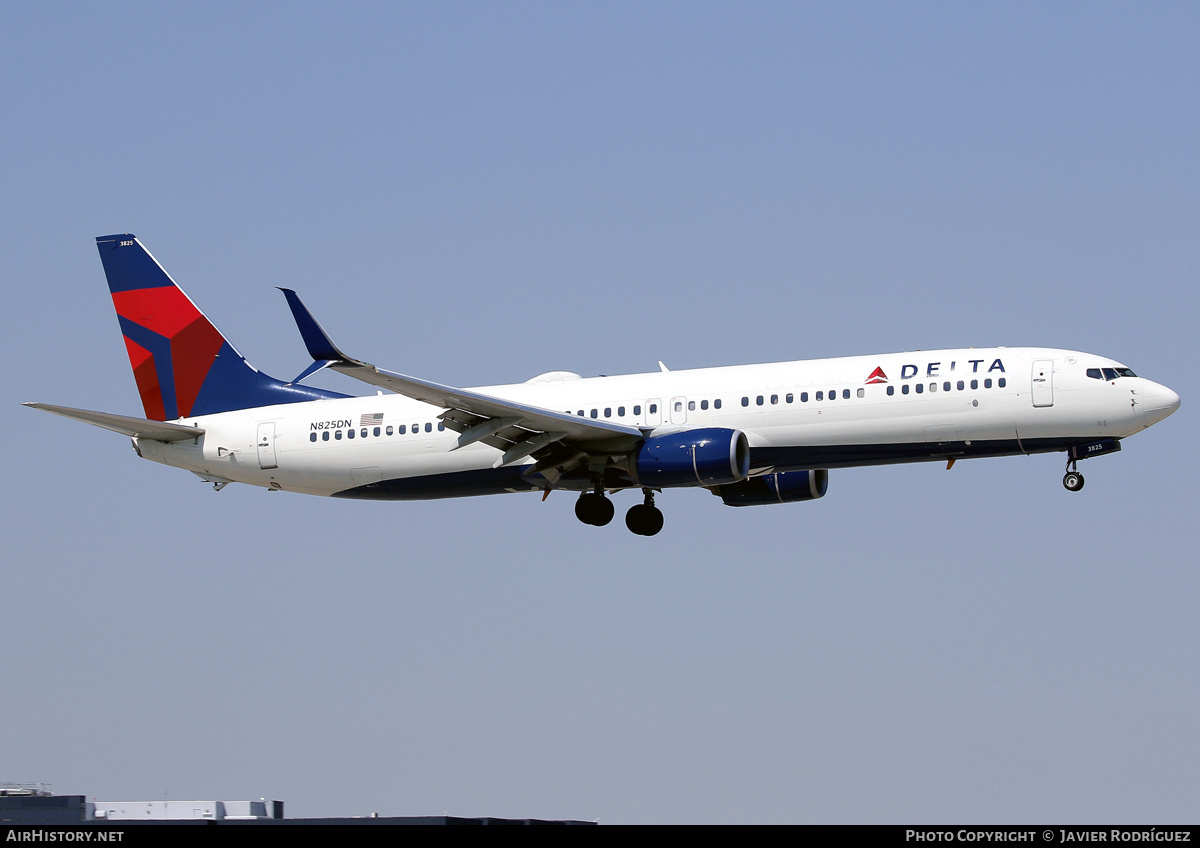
column 140, row 428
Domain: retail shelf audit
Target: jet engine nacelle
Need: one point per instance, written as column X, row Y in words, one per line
column 711, row 456
column 783, row 487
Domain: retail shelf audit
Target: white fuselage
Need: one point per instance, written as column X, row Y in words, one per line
column 808, row 414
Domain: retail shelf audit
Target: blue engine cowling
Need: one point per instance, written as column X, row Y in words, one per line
column 783, row 487
column 706, row 457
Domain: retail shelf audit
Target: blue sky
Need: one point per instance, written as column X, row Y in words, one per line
column 477, row 193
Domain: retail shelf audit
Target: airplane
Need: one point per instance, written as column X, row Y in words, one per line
column 750, row 434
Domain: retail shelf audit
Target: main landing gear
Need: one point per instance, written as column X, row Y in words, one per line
column 1072, row 480
column 595, row 509
column 645, row 518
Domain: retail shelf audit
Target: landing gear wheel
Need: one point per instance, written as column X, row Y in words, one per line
column 1073, row 481
column 595, row 509
column 645, row 519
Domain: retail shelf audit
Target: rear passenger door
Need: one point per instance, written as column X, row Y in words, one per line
column 266, row 445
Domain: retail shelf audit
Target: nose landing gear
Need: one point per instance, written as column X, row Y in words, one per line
column 1072, row 480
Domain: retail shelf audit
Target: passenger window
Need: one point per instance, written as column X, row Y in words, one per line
column 804, row 397
column 580, row 413
column 862, row 392
column 891, row 390
column 745, row 401
column 933, row 387
column 774, row 399
column 691, row 406
column 402, row 429
column 441, row 426
column 428, row 427
column 325, row 436
column 1001, row 382
column 704, row 404
column 790, row 397
column 961, row 385
column 337, row 435
column 364, row 432
column 920, row 387
column 620, row 412
column 845, row 394
column 904, row 389
column 717, row 403
column 759, row 400
column 349, row 434
column 389, row 430
column 608, row 412
column 974, row 384
column 833, row 394
column 679, row 406
column 653, row 408
column 946, row 386
column 637, row 410
column 820, row 396
column 987, row 384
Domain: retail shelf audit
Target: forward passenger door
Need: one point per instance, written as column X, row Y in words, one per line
column 1043, row 382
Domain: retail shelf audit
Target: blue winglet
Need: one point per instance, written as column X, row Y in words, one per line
column 319, row 345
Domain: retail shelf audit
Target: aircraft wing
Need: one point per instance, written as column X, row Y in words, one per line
column 518, row 429
column 162, row 431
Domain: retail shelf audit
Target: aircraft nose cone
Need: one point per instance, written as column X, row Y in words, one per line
column 1157, row 402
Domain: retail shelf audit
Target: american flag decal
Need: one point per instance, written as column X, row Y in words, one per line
column 370, row 419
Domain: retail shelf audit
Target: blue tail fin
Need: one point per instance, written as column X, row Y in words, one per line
column 182, row 364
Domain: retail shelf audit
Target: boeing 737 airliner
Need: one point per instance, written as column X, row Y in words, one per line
column 750, row 434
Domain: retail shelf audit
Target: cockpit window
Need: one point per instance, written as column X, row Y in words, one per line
column 1109, row 373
